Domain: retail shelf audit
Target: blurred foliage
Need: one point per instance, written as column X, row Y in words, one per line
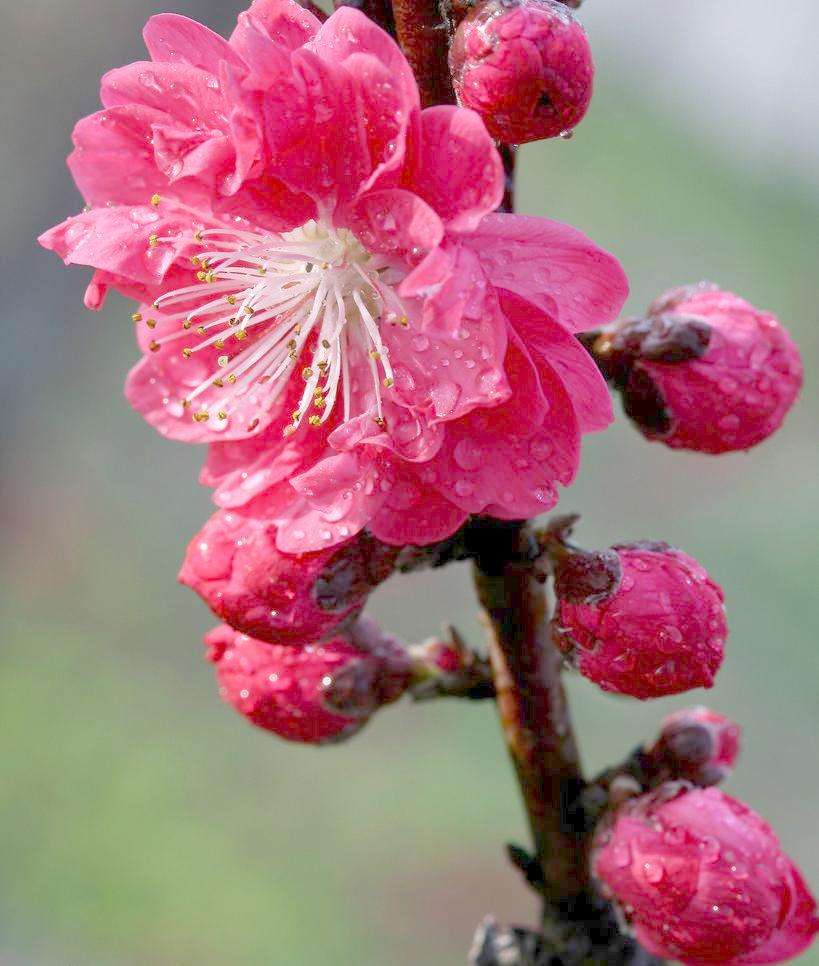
column 145, row 823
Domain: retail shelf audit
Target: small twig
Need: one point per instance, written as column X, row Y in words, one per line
column 379, row 11
column 423, row 34
column 532, row 705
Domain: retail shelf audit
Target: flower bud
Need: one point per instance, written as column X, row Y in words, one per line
column 704, row 370
column 314, row 693
column 525, row 66
column 235, row 567
column 702, row 879
column 660, row 628
column 698, row 744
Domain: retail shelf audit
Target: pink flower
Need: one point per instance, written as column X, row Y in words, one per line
column 235, row 567
column 699, row 745
column 704, row 371
column 313, row 693
column 362, row 339
column 702, row 879
column 659, row 630
column 525, row 66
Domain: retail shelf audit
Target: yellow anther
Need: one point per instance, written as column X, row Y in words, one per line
column 297, row 328
column 314, row 420
column 249, row 309
column 306, row 372
column 218, row 382
column 231, row 299
column 288, row 430
column 380, row 421
column 219, row 343
column 295, row 415
column 154, row 345
column 319, row 402
column 233, row 321
column 195, row 261
column 222, row 414
column 153, row 241
column 325, row 343
column 202, row 416
column 136, row 317
column 210, row 277
column 201, row 276
column 232, row 377
column 252, row 425
column 155, row 200
column 389, row 383
column 403, row 322
column 240, row 334
column 375, row 354
column 201, row 330
column 187, row 324
column 187, row 352
column 198, row 234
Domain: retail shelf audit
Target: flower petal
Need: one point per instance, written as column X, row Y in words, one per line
column 460, row 173
column 116, row 241
column 554, row 266
column 492, row 462
column 545, row 338
column 110, row 142
column 287, row 23
column 396, row 222
column 174, row 39
column 415, row 514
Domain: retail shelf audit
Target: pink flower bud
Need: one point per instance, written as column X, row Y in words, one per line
column 702, row 879
column 707, row 371
column 525, row 66
column 235, row 567
column 659, row 630
column 699, row 745
column 313, row 693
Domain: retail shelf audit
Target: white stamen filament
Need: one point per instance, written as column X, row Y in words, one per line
column 307, row 300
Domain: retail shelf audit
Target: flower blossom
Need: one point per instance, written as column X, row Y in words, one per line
column 326, row 294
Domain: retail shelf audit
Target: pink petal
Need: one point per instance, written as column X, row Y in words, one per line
column 157, row 386
column 397, row 222
column 339, row 495
column 174, row 39
column 460, row 173
column 554, row 266
column 386, row 84
column 116, row 241
column 543, row 337
column 415, row 514
column 315, row 132
column 110, row 142
column 486, row 466
column 450, row 359
column 283, row 21
column 181, row 91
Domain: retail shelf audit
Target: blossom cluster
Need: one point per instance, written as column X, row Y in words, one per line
column 375, row 356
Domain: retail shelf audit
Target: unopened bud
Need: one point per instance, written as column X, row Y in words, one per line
column 525, row 66
column 659, row 630
column 312, row 693
column 698, row 745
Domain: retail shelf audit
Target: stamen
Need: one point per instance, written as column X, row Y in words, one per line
column 307, row 301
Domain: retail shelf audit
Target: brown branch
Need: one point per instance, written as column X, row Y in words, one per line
column 423, row 34
column 379, row 11
column 532, row 706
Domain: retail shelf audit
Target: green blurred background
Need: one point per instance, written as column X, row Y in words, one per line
column 141, row 822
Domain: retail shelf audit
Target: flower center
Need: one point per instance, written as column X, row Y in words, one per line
column 309, row 300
